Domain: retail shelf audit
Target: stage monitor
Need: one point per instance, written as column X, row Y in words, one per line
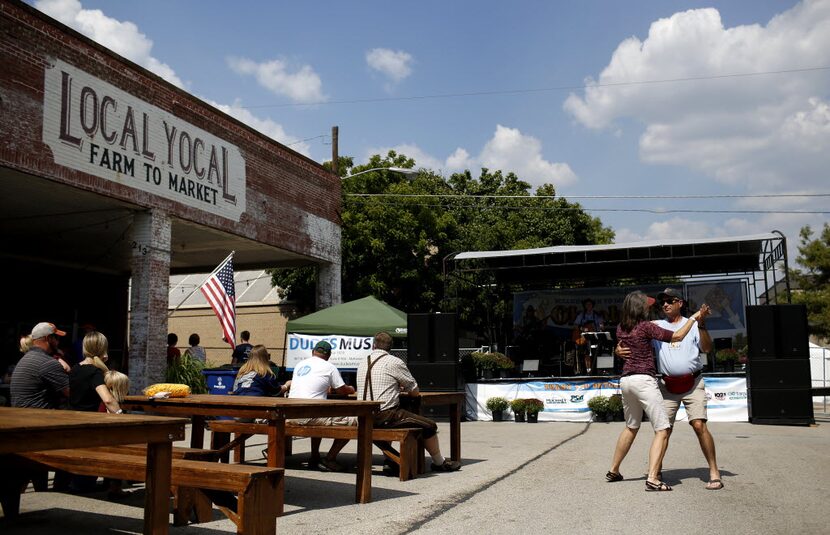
column 530, row 365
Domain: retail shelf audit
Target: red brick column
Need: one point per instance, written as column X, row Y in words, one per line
column 149, row 298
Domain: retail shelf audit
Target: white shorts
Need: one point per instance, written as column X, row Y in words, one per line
column 641, row 393
column 328, row 420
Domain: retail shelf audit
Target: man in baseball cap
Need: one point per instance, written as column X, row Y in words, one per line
column 44, row 329
column 314, row 378
column 39, row 380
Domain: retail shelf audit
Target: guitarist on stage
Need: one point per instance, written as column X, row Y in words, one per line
column 589, row 320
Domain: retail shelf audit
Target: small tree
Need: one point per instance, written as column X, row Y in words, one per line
column 814, row 281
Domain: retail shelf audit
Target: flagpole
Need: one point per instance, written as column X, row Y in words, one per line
column 222, row 263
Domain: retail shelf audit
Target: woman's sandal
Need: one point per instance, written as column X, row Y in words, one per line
column 714, row 484
column 613, row 477
column 656, row 487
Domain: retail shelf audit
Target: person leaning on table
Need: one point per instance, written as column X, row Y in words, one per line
column 383, row 377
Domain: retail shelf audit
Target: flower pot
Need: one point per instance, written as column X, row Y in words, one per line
column 532, row 417
column 519, row 416
column 498, row 416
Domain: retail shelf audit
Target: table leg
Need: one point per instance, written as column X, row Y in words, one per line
column 276, row 457
column 455, row 431
column 197, row 432
column 157, row 488
column 365, row 426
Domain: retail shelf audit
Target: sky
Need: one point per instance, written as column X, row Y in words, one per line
column 697, row 119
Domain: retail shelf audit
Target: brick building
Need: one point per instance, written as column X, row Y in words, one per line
column 110, row 174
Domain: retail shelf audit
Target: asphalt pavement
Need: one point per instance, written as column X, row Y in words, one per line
column 523, row 478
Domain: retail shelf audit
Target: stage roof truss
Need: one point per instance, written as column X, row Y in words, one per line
column 756, row 258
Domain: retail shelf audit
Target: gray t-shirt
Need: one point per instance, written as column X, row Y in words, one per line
column 38, row 381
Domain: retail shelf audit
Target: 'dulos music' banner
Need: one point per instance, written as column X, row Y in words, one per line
column 346, row 352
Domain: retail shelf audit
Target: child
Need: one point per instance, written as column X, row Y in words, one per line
column 119, row 386
column 256, row 378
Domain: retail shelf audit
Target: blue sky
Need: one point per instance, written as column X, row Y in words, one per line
column 565, row 101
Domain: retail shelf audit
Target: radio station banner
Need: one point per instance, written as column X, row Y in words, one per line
column 346, row 353
column 567, row 401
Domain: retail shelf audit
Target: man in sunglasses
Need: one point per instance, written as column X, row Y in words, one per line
column 681, row 366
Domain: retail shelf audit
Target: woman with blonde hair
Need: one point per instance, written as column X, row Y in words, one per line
column 256, row 378
column 87, row 389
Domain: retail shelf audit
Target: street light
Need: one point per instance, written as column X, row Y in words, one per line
column 408, row 173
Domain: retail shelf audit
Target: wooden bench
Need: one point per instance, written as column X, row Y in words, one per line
column 197, row 483
column 409, row 457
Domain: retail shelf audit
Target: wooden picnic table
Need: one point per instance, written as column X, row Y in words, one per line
column 455, row 400
column 27, row 430
column 275, row 410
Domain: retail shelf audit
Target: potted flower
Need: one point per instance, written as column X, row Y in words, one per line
column 533, row 407
column 491, row 364
column 615, row 407
column 743, row 355
column 497, row 405
column 599, row 406
column 518, row 408
column 727, row 358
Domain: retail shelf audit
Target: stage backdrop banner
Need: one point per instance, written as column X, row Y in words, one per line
column 567, row 401
column 346, row 353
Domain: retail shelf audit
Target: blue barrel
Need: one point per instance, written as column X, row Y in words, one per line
column 219, row 380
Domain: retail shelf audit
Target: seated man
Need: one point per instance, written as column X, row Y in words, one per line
column 383, row 377
column 314, row 378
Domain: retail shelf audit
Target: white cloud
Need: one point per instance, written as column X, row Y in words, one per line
column 266, row 126
column 124, row 38
column 394, row 64
column 302, row 86
column 508, row 150
column 762, row 133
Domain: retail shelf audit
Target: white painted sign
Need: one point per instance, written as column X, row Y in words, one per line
column 94, row 127
column 346, row 353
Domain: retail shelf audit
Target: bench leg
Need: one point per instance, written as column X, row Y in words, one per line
column 409, row 463
column 422, row 459
column 188, row 500
column 239, row 450
column 217, row 441
column 257, row 508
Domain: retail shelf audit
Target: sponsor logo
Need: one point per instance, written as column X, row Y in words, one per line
column 737, row 395
column 720, row 396
column 577, row 398
column 556, row 401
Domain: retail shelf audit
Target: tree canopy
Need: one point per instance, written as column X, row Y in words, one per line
column 396, row 231
column 813, row 281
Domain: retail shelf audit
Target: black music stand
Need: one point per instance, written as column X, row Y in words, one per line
column 597, row 343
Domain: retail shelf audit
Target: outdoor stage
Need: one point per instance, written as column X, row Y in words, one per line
column 566, row 398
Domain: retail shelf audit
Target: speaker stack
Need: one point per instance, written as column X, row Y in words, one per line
column 432, row 352
column 778, row 365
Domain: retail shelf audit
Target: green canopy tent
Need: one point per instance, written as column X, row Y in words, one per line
column 342, row 325
column 362, row 317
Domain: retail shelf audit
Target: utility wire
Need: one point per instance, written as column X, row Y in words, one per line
column 543, row 89
column 549, row 197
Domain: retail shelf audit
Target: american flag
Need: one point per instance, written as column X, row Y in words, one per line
column 218, row 289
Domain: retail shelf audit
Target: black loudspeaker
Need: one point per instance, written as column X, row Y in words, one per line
column 778, row 373
column 444, row 338
column 436, row 376
column 777, row 332
column 760, row 330
column 793, row 338
column 418, row 337
column 781, row 406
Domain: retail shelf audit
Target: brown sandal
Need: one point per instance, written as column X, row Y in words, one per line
column 613, row 477
column 657, row 487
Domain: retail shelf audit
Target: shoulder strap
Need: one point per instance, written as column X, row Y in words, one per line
column 367, row 381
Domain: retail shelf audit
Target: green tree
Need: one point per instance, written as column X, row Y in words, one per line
column 813, row 282
column 397, row 231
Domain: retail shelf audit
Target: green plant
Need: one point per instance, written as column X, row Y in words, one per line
column 599, row 406
column 726, row 355
column 518, row 406
column 615, row 406
column 497, row 404
column 534, row 405
column 491, row 361
column 187, row 371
